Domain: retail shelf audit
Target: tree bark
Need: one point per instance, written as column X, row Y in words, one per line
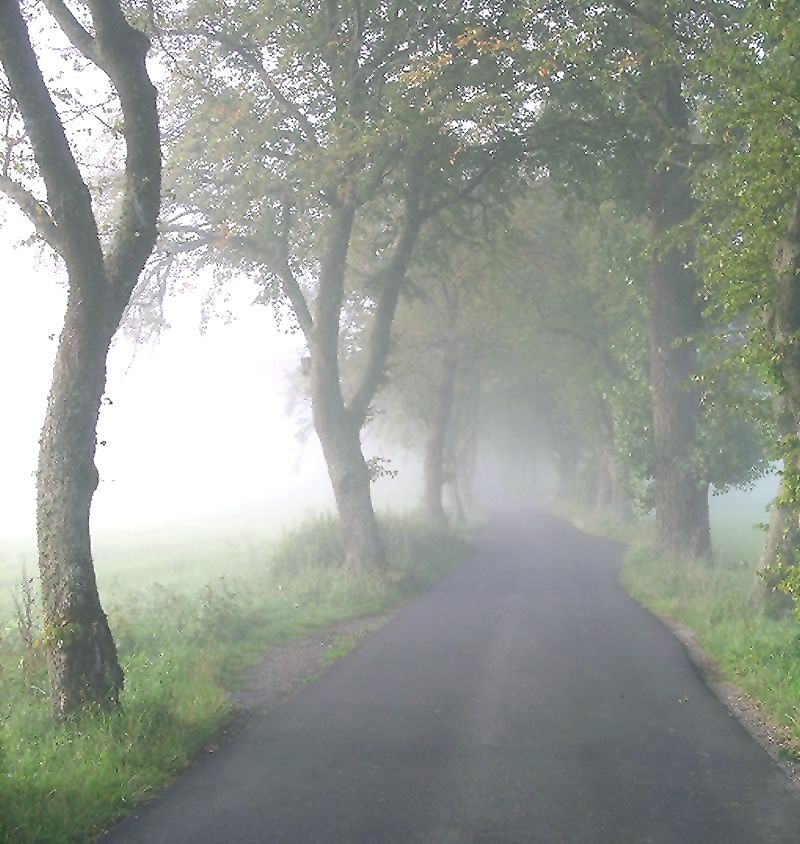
column 81, row 655
column 350, row 479
column 681, row 491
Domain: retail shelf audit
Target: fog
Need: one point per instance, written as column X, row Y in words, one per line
column 195, row 426
column 202, row 426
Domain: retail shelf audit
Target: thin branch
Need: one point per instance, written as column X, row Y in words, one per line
column 464, row 192
column 33, row 209
column 254, row 63
column 74, row 30
column 291, row 287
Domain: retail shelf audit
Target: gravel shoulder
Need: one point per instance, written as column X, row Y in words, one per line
column 288, row 667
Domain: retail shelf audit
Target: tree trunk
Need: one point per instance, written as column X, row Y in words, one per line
column 600, row 474
column 339, row 427
column 620, row 500
column 434, row 468
column 82, row 658
column 681, row 496
column 681, row 491
column 783, row 326
column 459, row 513
column 350, row 479
column 567, row 469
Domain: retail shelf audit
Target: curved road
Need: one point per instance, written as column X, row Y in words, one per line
column 525, row 698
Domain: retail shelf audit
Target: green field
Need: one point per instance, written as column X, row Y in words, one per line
column 189, row 610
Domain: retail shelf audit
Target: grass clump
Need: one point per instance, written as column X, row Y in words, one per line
column 182, row 650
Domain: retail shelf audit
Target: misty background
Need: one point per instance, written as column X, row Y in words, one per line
column 197, row 426
column 207, row 426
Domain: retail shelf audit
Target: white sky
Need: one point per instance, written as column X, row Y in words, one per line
column 197, row 424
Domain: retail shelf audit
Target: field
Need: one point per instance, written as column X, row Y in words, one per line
column 189, row 610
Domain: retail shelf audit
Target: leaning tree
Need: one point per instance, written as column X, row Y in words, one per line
column 311, row 143
column 43, row 176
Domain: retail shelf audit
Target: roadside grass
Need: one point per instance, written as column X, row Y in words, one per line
column 755, row 648
column 183, row 649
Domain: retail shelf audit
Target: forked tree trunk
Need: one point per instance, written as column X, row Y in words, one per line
column 350, row 479
column 338, row 423
column 82, row 659
column 681, row 491
column 338, row 426
column 81, row 655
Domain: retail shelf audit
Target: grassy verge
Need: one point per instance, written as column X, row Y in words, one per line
column 757, row 651
column 182, row 650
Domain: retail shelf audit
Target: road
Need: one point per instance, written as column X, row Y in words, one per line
column 525, row 698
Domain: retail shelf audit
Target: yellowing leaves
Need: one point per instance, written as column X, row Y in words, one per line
column 547, row 67
column 472, row 42
column 425, row 69
column 483, row 44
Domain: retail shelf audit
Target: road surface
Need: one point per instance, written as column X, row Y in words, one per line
column 525, row 698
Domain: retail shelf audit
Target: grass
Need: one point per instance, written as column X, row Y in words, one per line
column 183, row 645
column 755, row 648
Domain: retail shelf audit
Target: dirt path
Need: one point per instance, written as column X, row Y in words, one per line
column 287, row 668
column 525, row 698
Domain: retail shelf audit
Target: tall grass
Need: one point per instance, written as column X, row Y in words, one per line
column 755, row 647
column 182, row 650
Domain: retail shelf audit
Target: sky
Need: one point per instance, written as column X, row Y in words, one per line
column 197, row 423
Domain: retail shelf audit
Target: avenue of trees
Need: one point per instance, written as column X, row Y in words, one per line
column 570, row 224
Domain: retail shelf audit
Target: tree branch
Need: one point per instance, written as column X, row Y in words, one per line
column 462, row 193
column 289, row 283
column 124, row 50
column 74, row 30
column 392, row 275
column 33, row 209
column 67, row 194
column 254, row 63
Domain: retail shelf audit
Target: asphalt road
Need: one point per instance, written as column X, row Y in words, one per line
column 525, row 698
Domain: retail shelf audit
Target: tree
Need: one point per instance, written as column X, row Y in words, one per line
column 621, row 127
column 579, row 313
column 750, row 96
column 324, row 137
column 102, row 273
column 438, row 357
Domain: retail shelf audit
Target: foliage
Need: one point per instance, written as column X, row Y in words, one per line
column 289, row 112
column 751, row 113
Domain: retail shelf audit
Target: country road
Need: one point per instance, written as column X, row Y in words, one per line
column 525, row 698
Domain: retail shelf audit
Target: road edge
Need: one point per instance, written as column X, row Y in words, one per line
column 739, row 705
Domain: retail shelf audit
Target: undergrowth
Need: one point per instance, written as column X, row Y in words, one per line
column 181, row 651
